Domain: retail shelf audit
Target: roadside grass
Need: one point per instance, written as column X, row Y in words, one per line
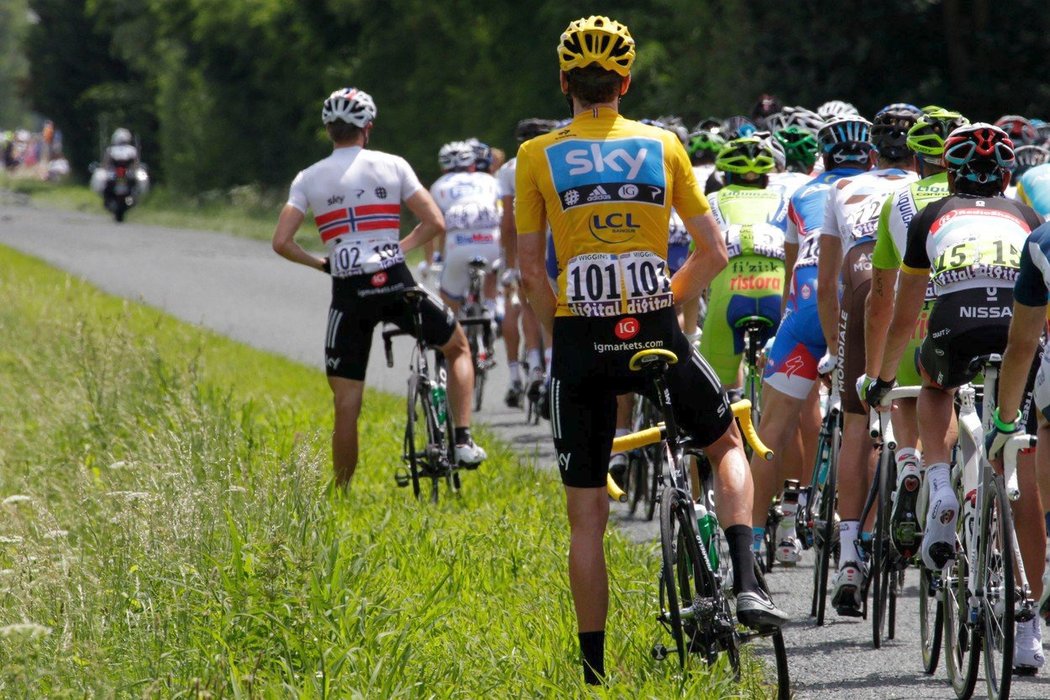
column 166, row 530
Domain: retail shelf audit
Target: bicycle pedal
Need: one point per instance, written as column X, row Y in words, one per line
column 659, row 651
column 401, row 478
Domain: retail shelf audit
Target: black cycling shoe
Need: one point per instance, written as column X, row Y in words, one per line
column 543, row 403
column 514, row 394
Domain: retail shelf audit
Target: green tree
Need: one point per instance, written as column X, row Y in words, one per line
column 13, row 65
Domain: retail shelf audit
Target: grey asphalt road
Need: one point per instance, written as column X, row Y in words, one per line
column 241, row 289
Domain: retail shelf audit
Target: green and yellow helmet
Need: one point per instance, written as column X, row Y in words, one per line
column 748, row 154
column 706, row 142
column 926, row 138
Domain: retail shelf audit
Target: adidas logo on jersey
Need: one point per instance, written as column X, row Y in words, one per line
column 598, row 194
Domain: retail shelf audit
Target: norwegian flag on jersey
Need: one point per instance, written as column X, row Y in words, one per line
column 366, row 217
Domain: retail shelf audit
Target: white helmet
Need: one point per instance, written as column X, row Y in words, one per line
column 836, row 108
column 121, row 137
column 456, row 154
column 350, row 105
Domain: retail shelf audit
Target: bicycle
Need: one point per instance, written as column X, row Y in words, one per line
column 428, row 447
column 478, row 324
column 694, row 606
column 643, row 473
column 817, row 522
column 887, row 564
column 982, row 599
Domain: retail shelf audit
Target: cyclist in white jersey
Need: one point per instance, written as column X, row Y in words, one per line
column 355, row 195
column 847, row 239
column 518, row 308
column 469, row 201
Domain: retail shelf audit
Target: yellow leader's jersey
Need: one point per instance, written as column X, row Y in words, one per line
column 606, row 186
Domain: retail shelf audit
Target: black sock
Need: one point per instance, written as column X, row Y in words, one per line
column 739, row 539
column 462, row 436
column 592, row 646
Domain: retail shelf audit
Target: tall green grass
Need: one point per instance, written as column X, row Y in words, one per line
column 166, row 530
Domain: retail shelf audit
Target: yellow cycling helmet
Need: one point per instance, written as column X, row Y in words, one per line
column 596, row 39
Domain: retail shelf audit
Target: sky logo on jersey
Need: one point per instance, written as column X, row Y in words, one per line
column 586, row 171
column 367, row 217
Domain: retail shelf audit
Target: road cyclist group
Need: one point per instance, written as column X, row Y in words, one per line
column 890, row 277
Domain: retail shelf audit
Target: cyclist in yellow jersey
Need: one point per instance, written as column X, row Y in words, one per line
column 606, row 185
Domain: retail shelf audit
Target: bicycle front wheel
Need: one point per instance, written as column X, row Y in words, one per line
column 637, row 483
column 996, row 567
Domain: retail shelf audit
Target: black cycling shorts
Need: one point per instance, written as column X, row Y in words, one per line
column 589, row 368
column 361, row 302
column 964, row 325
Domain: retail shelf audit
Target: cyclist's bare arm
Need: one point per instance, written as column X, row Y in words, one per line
column 790, row 256
column 1025, row 328
column 532, row 250
column 878, row 311
column 431, row 221
column 829, row 267
column 284, row 239
column 508, row 235
column 705, row 262
column 911, row 292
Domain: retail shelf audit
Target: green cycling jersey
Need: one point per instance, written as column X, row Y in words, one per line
column 897, row 212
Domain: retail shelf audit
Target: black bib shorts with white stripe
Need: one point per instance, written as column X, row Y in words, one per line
column 589, row 368
column 361, row 302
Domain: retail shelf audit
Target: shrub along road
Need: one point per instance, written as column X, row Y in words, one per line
column 241, row 289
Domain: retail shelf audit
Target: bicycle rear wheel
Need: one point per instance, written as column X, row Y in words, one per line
column 779, row 650
column 827, row 529
column 883, row 571
column 670, row 601
column 961, row 647
column 416, row 429
column 931, row 619
column 996, row 565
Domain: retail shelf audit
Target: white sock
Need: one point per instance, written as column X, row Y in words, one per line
column 515, row 371
column 907, row 454
column 849, row 533
column 533, row 358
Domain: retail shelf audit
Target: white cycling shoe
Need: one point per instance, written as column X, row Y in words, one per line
column 846, row 589
column 789, row 551
column 938, row 541
column 470, row 455
column 1028, row 647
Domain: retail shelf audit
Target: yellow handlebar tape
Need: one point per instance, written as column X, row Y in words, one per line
column 642, row 438
column 615, row 492
column 742, row 411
